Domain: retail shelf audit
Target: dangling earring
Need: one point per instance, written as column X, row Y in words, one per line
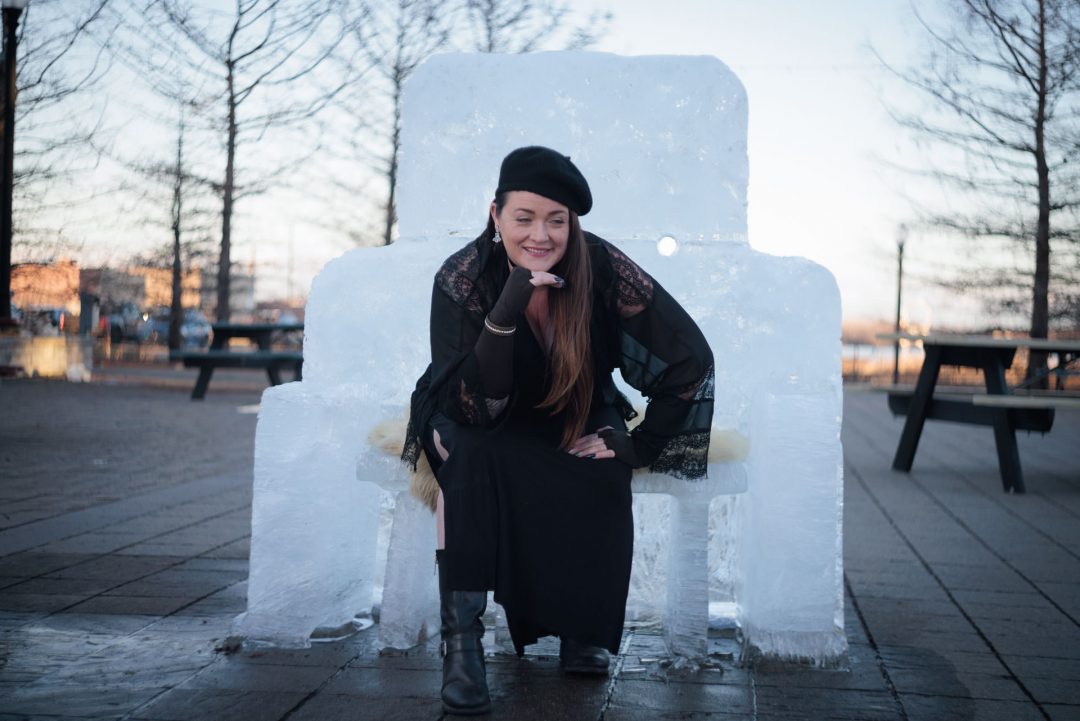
column 497, row 238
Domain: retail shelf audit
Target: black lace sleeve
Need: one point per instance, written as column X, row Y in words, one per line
column 459, row 302
column 462, row 295
column 665, row 356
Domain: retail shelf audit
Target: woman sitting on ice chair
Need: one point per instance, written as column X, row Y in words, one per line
column 521, row 421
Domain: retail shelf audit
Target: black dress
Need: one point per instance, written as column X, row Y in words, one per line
column 550, row 533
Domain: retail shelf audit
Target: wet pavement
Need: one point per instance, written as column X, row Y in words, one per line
column 123, row 559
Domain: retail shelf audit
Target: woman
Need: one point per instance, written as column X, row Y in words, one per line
column 521, row 421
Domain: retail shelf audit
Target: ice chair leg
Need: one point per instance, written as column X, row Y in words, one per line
column 687, row 622
column 409, row 610
column 503, row 642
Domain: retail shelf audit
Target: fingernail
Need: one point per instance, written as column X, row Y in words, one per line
column 591, row 455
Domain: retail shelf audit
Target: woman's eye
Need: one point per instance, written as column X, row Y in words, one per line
column 558, row 221
column 523, row 221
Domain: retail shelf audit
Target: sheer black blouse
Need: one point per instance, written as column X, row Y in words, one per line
column 636, row 326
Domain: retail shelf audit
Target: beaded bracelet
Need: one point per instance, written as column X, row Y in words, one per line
column 498, row 329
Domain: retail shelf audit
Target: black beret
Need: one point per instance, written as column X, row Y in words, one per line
column 548, row 173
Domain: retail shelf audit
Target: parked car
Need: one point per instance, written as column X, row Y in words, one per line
column 44, row 321
column 121, row 322
column 195, row 329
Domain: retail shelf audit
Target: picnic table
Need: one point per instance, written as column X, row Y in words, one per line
column 1005, row 409
column 220, row 355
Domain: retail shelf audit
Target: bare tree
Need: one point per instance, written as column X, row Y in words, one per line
column 59, row 112
column 501, row 26
column 260, row 63
column 188, row 196
column 1004, row 86
column 183, row 219
column 397, row 37
column 176, row 307
column 401, row 34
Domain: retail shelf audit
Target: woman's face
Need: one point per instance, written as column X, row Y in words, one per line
column 534, row 229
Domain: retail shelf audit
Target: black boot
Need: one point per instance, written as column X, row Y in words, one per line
column 464, row 687
column 577, row 658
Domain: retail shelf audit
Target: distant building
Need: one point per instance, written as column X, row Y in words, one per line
column 241, row 296
column 143, row 288
column 157, row 287
column 47, row 286
column 280, row 310
column 113, row 288
column 40, row 286
column 149, row 288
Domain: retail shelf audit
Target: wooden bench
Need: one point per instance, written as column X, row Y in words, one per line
column 219, row 356
column 1004, row 409
column 1028, row 402
column 1028, row 412
column 270, row 360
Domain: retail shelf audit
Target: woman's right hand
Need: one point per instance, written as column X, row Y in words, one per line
column 517, row 292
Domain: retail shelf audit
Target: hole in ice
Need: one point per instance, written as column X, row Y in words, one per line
column 667, row 245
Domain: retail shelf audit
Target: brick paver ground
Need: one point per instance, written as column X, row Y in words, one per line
column 123, row 559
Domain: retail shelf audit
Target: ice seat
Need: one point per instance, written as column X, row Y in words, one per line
column 687, row 607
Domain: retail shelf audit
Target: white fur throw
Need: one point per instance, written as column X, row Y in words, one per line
column 725, row 444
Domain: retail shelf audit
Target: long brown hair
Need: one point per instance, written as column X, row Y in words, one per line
column 571, row 352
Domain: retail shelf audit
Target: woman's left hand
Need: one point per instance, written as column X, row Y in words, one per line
column 608, row 443
column 592, row 446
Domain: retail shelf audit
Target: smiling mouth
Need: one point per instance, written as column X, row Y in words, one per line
column 538, row 251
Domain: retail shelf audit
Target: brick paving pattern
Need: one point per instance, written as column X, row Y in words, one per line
column 123, row 559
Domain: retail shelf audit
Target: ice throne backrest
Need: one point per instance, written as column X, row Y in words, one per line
column 661, row 139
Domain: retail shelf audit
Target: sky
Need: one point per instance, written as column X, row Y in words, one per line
column 819, row 134
column 820, row 142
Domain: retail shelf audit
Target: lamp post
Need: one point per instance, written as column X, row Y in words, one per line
column 12, row 9
column 901, row 238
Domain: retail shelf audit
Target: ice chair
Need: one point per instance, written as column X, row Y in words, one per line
column 662, row 141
